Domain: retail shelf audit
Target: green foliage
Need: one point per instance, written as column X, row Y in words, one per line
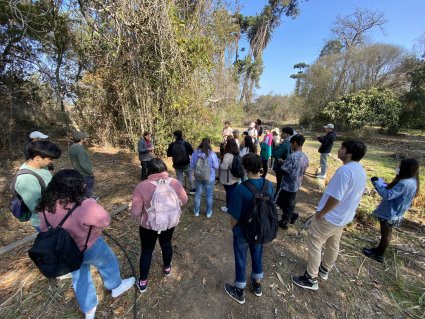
column 366, row 107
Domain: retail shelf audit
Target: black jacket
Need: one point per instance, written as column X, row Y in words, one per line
column 188, row 148
column 327, row 142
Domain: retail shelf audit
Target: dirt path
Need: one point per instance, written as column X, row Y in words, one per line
column 203, row 262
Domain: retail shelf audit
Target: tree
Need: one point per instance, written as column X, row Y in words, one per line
column 366, row 107
column 299, row 75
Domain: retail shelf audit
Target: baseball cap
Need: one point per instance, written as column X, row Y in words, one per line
column 76, row 136
column 37, row 134
column 329, row 126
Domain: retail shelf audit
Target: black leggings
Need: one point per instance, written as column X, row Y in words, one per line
column 386, row 235
column 148, row 239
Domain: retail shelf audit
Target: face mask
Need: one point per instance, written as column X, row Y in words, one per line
column 397, row 170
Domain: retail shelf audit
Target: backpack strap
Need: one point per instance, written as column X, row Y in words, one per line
column 24, row 171
column 257, row 193
column 70, row 211
column 87, row 239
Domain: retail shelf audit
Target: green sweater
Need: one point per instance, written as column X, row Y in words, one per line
column 30, row 190
column 80, row 160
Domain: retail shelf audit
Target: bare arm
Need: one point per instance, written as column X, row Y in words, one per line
column 331, row 203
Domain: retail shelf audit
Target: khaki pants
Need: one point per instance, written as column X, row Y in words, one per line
column 322, row 232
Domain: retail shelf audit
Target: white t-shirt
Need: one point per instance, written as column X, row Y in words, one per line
column 347, row 186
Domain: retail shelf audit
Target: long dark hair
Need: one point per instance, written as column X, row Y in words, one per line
column 205, row 146
column 249, row 144
column 231, row 147
column 67, row 186
column 156, row 165
column 409, row 168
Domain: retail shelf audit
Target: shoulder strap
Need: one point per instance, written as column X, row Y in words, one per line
column 24, row 171
column 250, row 186
column 67, row 215
column 87, row 239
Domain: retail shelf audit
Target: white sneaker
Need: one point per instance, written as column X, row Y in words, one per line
column 321, row 176
column 90, row 314
column 66, row 276
column 224, row 209
column 123, row 287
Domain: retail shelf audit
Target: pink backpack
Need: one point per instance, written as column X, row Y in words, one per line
column 164, row 211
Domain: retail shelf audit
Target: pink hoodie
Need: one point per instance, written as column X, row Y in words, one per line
column 89, row 213
column 142, row 196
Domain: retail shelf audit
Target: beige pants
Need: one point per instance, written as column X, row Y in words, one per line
column 322, row 232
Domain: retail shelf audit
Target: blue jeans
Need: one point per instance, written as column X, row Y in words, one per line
column 101, row 256
column 323, row 163
column 240, row 249
column 89, row 181
column 189, row 174
column 209, row 191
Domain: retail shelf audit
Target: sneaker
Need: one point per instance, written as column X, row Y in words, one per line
column 167, row 271
column 320, row 176
column 90, row 314
column 209, row 215
column 235, row 293
column 66, row 276
column 283, row 225
column 371, row 253
column 323, row 272
column 256, row 286
column 96, row 198
column 294, row 218
column 192, row 191
column 306, row 281
column 224, row 209
column 125, row 285
column 142, row 285
column 196, row 214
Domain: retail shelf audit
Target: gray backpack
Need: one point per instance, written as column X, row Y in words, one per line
column 202, row 169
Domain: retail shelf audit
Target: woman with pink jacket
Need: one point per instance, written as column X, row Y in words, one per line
column 156, row 206
column 66, row 191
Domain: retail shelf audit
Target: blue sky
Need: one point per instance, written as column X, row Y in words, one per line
column 302, row 38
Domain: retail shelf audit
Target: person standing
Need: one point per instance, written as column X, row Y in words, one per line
column 204, row 161
column 293, row 169
column 253, row 133
column 180, row 151
column 238, row 207
column 41, row 154
column 266, row 150
column 281, row 153
column 326, row 143
column 80, row 160
column 144, row 210
column 226, row 133
column 336, row 209
column 396, row 199
column 85, row 224
column 145, row 149
column 227, row 179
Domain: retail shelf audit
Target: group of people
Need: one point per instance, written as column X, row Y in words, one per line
column 157, row 199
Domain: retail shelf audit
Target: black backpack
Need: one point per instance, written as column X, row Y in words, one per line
column 260, row 130
column 178, row 154
column 237, row 169
column 259, row 221
column 54, row 252
column 17, row 206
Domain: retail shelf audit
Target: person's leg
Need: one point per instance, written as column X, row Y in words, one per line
column 189, row 175
column 144, row 170
column 209, row 193
column 166, row 246
column 148, row 240
column 89, row 181
column 179, row 176
column 198, row 194
column 386, row 235
column 256, row 252
column 84, row 288
column 323, row 163
column 332, row 248
column 286, row 202
column 279, row 176
column 240, row 249
column 265, row 168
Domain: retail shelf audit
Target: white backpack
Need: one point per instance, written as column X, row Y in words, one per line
column 164, row 211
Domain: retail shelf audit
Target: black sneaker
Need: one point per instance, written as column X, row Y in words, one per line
column 283, row 225
column 306, row 281
column 142, row 285
column 235, row 293
column 294, row 218
column 192, row 191
column 371, row 253
column 256, row 286
column 323, row 272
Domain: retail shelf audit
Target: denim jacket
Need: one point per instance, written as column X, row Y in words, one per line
column 395, row 201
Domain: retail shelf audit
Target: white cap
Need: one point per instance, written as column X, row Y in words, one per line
column 329, row 126
column 37, row 134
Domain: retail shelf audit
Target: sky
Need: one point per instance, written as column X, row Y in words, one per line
column 301, row 39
